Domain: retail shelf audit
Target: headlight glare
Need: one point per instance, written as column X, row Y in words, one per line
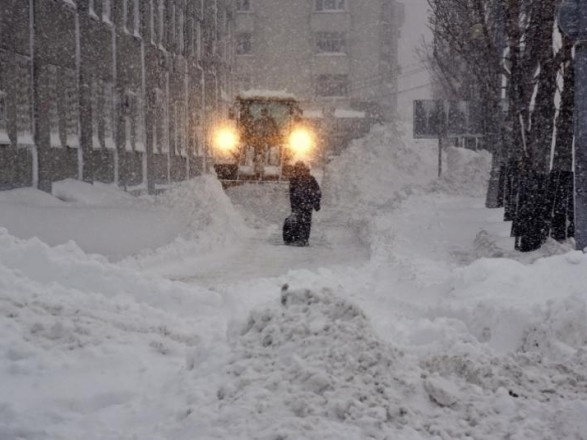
column 301, row 140
column 226, row 139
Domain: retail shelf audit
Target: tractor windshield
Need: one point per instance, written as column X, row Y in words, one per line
column 281, row 112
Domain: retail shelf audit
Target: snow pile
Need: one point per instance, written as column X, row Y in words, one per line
column 95, row 194
column 508, row 304
column 371, row 173
column 29, row 197
column 104, row 219
column 81, row 338
column 378, row 173
column 206, row 208
column 310, row 368
column 67, row 267
column 466, row 172
column 381, row 170
column 209, row 222
column 98, row 218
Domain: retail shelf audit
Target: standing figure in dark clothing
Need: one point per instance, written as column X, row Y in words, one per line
column 304, row 197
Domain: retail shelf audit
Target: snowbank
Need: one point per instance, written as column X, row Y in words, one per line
column 377, row 172
column 539, row 307
column 96, row 194
column 373, row 178
column 210, row 223
column 81, row 337
column 105, row 220
column 311, row 367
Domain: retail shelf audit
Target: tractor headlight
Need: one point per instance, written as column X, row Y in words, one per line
column 301, row 140
column 226, row 139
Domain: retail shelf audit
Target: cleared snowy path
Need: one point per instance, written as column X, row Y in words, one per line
column 262, row 254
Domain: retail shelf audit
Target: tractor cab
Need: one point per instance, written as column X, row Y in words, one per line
column 263, row 136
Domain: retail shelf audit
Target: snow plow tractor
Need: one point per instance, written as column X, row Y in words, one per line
column 261, row 140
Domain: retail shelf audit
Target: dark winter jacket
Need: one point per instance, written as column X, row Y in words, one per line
column 304, row 193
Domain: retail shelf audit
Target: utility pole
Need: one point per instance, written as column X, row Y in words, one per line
column 573, row 22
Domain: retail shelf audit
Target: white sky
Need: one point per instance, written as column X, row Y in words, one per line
column 414, row 31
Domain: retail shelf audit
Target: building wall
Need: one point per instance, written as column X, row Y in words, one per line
column 111, row 94
column 283, row 50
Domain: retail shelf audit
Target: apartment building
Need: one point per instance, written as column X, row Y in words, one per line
column 116, row 91
column 338, row 54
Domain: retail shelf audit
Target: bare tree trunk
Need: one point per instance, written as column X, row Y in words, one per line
column 561, row 177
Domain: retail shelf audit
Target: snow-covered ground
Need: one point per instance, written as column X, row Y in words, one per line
column 182, row 316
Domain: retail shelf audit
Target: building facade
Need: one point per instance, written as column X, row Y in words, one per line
column 338, row 54
column 116, row 91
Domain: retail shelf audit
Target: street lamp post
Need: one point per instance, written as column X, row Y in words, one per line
column 573, row 22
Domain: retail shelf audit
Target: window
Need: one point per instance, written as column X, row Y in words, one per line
column 52, row 105
column 330, row 42
column 181, row 31
column 140, row 134
column 172, row 27
column 107, row 115
column 161, row 123
column 131, row 16
column 3, row 126
column 161, row 22
column 96, row 95
column 195, row 39
column 157, row 123
column 92, row 8
column 152, row 21
column 330, row 5
column 107, row 11
column 179, row 129
column 244, row 44
column 243, row 5
column 3, row 117
column 331, row 85
column 136, row 18
column 71, row 109
column 129, row 112
column 24, row 120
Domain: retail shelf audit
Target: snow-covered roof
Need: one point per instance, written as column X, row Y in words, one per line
column 266, row 94
column 341, row 113
column 345, row 113
column 313, row 114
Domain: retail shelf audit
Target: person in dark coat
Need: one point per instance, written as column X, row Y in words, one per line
column 304, row 197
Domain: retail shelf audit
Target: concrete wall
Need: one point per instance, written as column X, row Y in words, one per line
column 109, row 97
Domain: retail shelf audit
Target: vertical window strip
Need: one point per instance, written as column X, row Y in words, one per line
column 24, row 120
column 53, row 106
column 107, row 11
column 108, row 115
column 4, row 139
column 71, row 109
column 95, row 108
column 136, row 18
column 152, row 18
column 172, row 27
column 181, row 31
column 125, row 15
column 161, row 23
column 140, row 142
